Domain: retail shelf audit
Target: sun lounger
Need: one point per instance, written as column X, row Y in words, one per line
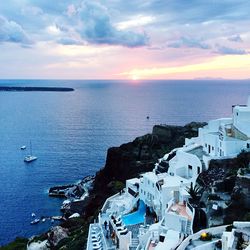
column 118, row 224
column 121, row 228
column 95, row 233
column 123, row 232
column 97, row 247
column 98, row 238
column 97, row 242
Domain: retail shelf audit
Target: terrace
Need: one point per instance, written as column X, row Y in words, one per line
column 96, row 239
column 179, row 209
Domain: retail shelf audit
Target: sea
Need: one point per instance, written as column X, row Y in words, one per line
column 71, row 132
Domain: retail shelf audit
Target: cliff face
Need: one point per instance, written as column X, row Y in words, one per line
column 133, row 158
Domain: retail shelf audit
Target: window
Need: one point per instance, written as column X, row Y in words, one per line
column 237, row 114
column 153, row 185
column 198, row 170
column 248, row 145
column 213, row 148
column 205, row 145
column 190, row 167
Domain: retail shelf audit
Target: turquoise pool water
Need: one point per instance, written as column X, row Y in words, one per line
column 136, row 217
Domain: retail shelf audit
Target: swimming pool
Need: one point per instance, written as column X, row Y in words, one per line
column 136, row 217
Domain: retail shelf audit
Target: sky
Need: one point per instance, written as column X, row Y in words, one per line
column 117, row 39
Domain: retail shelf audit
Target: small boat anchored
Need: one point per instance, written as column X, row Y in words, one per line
column 23, row 147
column 30, row 158
column 35, row 221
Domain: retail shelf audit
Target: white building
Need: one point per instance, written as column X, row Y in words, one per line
column 164, row 190
column 226, row 137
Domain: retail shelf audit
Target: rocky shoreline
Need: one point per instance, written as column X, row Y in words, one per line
column 75, row 194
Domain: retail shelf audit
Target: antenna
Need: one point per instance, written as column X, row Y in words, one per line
column 30, row 148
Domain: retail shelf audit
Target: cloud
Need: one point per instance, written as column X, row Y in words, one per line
column 97, row 28
column 188, row 42
column 230, row 51
column 69, row 41
column 235, row 38
column 71, row 10
column 11, row 31
column 31, row 11
column 135, row 21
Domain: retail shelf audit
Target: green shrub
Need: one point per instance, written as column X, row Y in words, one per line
column 17, row 244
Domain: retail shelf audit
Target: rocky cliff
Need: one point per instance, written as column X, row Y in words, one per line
column 133, row 158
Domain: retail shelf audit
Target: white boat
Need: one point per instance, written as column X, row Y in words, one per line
column 30, row 158
column 34, row 222
column 23, row 147
column 56, row 217
column 33, row 215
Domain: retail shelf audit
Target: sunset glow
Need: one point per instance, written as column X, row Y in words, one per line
column 82, row 39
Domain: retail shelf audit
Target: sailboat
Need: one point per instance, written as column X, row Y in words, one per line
column 30, row 158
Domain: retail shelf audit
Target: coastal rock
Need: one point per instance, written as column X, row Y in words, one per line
column 56, row 234
column 169, row 134
column 75, row 215
column 73, row 191
column 39, row 245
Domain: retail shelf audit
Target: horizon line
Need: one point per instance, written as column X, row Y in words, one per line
column 132, row 80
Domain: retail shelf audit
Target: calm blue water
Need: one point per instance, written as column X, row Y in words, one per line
column 136, row 217
column 72, row 131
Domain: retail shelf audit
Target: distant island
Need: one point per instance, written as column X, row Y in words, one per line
column 58, row 89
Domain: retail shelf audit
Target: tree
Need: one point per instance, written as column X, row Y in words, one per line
column 243, row 159
column 194, row 192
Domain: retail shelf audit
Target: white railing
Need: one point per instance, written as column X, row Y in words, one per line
column 196, row 236
column 192, row 221
column 89, row 236
column 107, row 200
